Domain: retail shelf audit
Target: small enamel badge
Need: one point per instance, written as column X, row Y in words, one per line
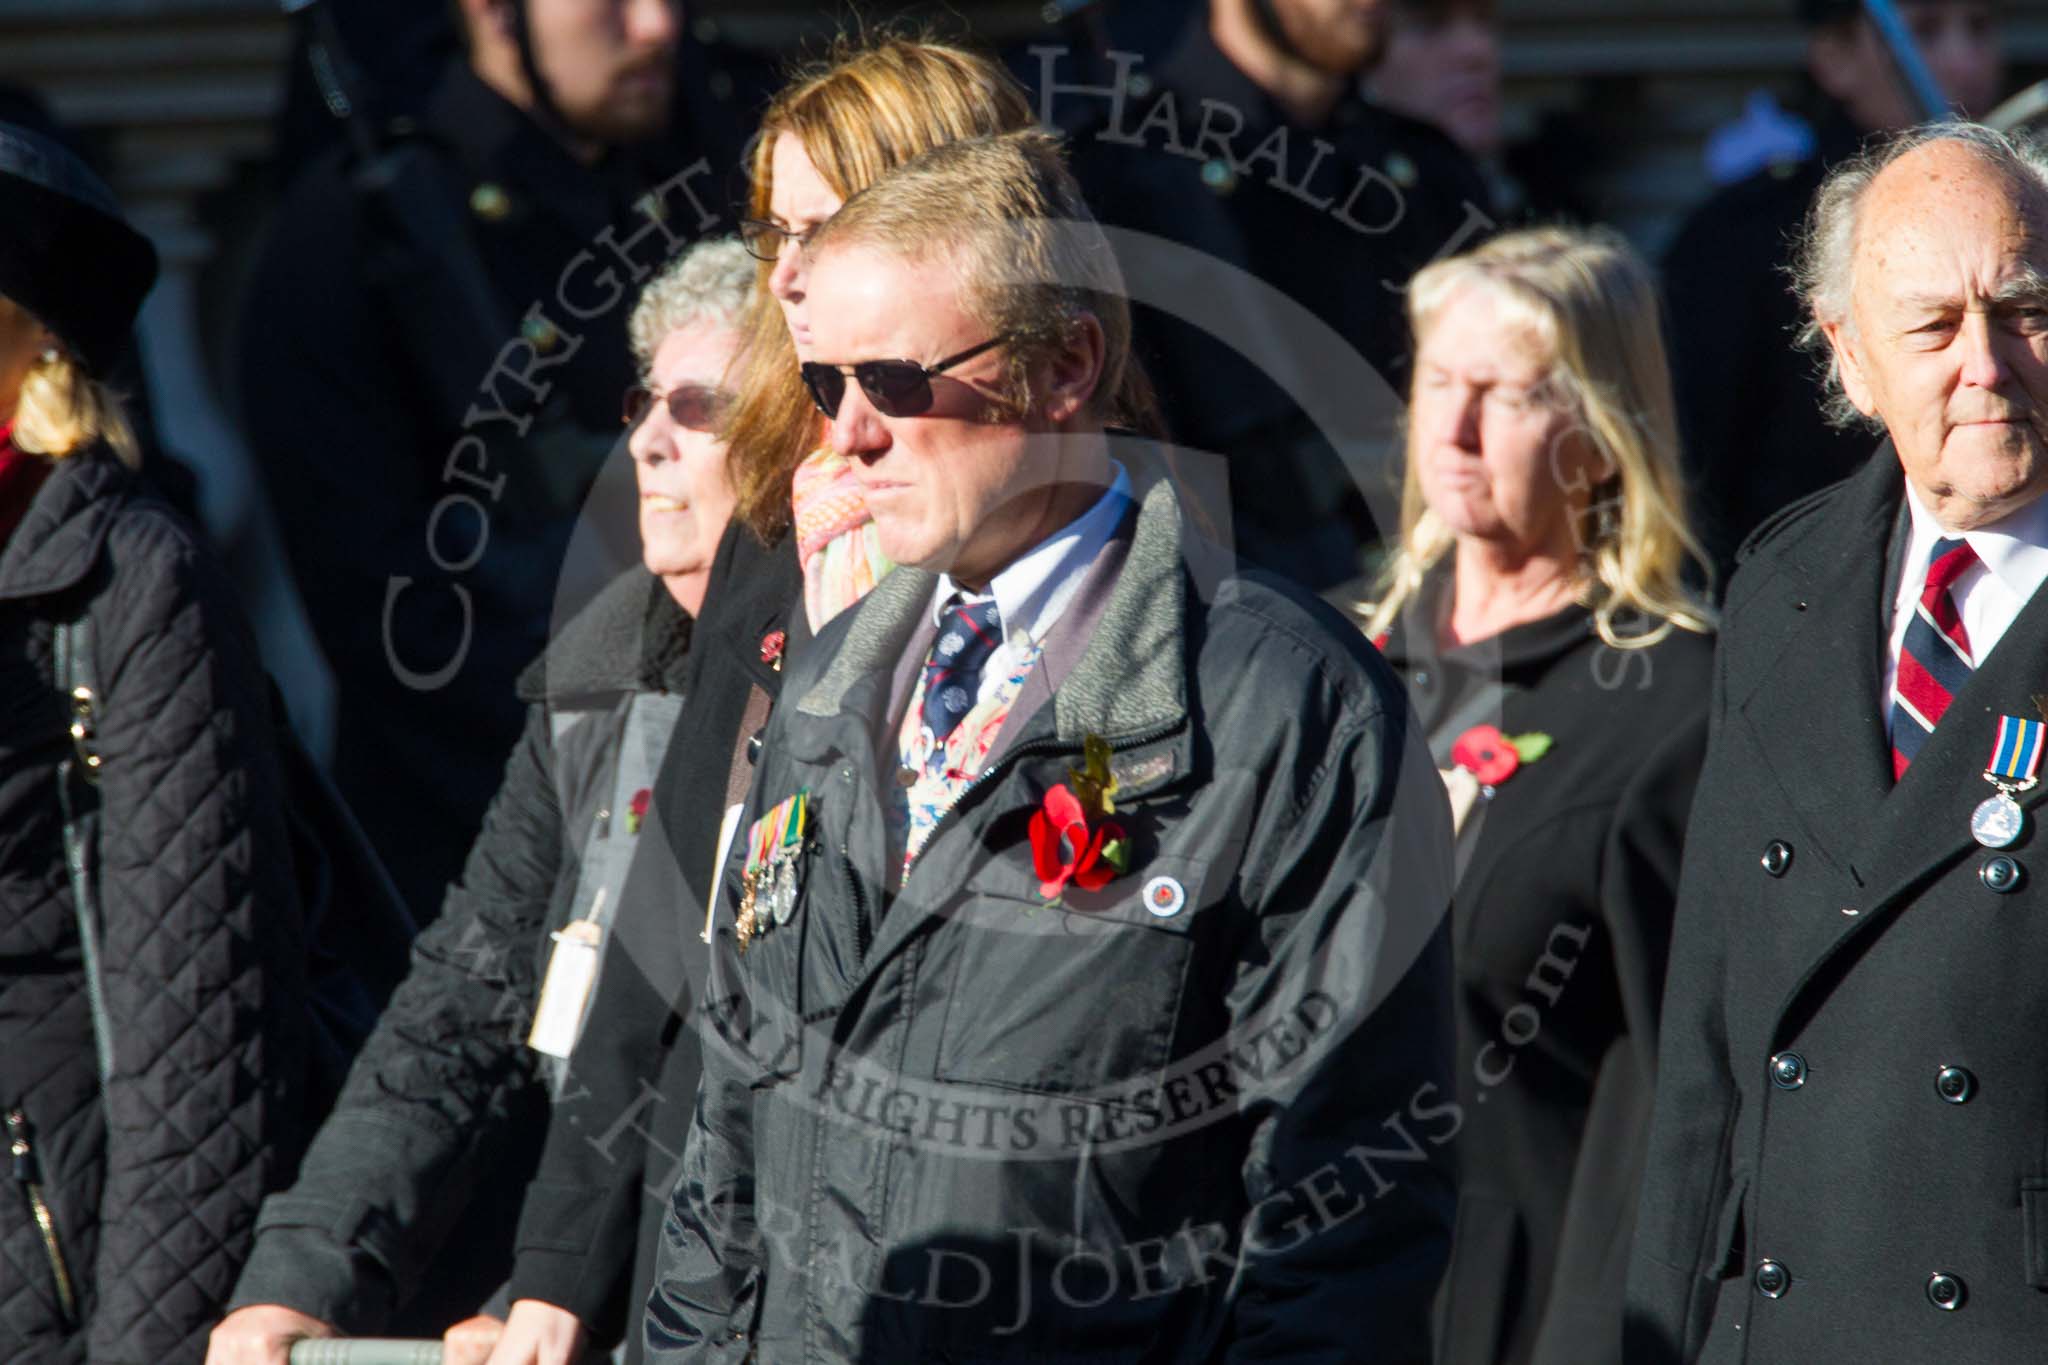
column 1165, row 897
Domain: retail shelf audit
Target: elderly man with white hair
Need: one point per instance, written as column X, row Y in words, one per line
column 1849, row 1153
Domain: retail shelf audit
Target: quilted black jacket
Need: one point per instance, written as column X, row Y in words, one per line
column 151, row 1186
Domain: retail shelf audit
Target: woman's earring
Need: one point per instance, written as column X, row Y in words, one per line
column 49, row 355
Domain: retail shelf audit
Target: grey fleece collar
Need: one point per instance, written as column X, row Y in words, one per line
column 1131, row 679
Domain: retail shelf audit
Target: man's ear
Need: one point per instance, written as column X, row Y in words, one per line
column 486, row 20
column 1075, row 370
column 1842, row 340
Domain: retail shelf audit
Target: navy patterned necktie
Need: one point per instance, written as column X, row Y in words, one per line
column 1935, row 660
column 968, row 634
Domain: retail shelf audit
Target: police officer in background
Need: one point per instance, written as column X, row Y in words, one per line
column 1250, row 143
column 1749, row 411
column 431, row 359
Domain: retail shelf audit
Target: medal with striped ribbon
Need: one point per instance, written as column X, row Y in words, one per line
column 2015, row 761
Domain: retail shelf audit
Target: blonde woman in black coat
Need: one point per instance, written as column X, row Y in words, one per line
column 152, row 1024
column 1560, row 670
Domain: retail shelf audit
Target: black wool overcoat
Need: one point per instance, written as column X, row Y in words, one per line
column 1849, row 1152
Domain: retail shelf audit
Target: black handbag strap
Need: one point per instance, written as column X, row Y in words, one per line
column 78, row 778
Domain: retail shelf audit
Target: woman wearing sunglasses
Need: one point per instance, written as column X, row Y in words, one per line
column 431, row 1121
column 802, row 549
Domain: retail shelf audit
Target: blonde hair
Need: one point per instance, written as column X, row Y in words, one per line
column 1005, row 214
column 63, row 410
column 711, row 282
column 1590, row 303
column 868, row 105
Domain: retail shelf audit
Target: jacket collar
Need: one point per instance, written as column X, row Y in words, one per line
column 496, row 141
column 58, row 541
column 1816, row 709
column 631, row 637
column 1130, row 680
column 1813, row 695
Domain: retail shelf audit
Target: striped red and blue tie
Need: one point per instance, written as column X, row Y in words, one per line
column 1935, row 661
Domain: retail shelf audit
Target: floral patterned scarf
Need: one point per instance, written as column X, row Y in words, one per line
column 836, row 539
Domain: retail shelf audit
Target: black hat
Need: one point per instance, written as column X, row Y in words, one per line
column 66, row 254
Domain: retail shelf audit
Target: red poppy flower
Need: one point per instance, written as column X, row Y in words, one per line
column 1487, row 754
column 636, row 810
column 1063, row 848
column 772, row 644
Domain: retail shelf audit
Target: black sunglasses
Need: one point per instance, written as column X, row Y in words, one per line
column 897, row 388
column 696, row 406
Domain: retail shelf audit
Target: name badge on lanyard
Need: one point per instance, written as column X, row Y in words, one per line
column 565, row 990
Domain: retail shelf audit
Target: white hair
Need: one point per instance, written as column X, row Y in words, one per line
column 1824, row 268
column 711, row 282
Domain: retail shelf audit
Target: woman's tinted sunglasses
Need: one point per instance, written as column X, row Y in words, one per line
column 696, row 406
column 897, row 388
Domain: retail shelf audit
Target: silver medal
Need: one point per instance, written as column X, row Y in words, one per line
column 785, row 891
column 1997, row 821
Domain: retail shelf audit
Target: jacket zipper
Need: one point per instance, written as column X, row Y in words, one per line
column 863, row 932
column 28, row 1175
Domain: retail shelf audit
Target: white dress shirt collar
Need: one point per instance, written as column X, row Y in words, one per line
column 2014, row 548
column 1034, row 590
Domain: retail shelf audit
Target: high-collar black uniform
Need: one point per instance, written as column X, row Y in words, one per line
column 1568, row 875
column 1749, row 401
column 426, row 500
column 1849, row 1160
column 1239, row 371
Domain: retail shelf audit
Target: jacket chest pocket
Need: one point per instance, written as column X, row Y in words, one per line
column 1075, row 998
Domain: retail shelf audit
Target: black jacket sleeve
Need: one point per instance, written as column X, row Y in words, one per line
column 203, row 944
column 1686, row 1172
column 1347, row 1172
column 1638, row 894
column 397, row 1161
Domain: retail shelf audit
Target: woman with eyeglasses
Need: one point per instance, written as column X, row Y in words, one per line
column 465, row 1053
column 1560, row 670
column 801, row 549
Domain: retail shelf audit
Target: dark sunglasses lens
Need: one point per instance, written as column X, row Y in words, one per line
column 897, row 388
column 699, row 409
column 635, row 406
column 827, row 387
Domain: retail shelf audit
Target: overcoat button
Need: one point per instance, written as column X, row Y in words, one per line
column 1421, row 677
column 1945, row 1291
column 1788, row 1071
column 1777, row 858
column 1954, row 1084
column 2000, row 873
column 1772, row 1279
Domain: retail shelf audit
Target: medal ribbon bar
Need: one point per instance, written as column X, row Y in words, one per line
column 2016, row 752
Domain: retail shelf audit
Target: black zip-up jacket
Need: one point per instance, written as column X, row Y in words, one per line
column 1194, row 1115
column 444, row 1109
column 150, row 1183
column 591, row 1225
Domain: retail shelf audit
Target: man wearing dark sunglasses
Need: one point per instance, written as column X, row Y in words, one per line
column 1060, row 818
